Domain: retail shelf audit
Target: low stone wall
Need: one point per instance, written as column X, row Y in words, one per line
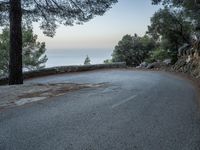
column 65, row 69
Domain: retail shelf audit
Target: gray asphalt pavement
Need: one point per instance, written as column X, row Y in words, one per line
column 134, row 110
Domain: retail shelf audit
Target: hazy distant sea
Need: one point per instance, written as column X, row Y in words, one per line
column 76, row 56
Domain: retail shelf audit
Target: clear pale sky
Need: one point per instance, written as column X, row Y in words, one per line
column 103, row 32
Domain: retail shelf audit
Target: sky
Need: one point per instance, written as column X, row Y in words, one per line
column 102, row 32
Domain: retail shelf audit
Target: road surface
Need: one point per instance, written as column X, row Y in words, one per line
column 134, row 110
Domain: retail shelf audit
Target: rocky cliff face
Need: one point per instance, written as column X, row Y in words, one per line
column 189, row 64
column 189, row 57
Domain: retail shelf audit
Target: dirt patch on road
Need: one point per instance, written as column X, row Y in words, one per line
column 22, row 94
column 51, row 90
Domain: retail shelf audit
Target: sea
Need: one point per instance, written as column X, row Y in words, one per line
column 76, row 56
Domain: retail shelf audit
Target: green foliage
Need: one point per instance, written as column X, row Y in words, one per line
column 191, row 8
column 171, row 28
column 87, row 60
column 159, row 54
column 50, row 13
column 176, row 23
column 133, row 49
column 4, row 52
column 33, row 51
column 108, row 61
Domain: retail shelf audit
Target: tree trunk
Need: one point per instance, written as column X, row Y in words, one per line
column 15, row 62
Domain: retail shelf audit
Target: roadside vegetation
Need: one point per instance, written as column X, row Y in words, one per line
column 174, row 30
column 33, row 52
column 133, row 49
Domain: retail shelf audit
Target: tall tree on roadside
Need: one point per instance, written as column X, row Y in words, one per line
column 177, row 23
column 49, row 13
column 170, row 26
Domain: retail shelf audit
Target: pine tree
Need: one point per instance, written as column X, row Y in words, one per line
column 49, row 13
column 87, row 60
column 33, row 52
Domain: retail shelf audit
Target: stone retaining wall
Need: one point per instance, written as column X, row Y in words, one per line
column 65, row 69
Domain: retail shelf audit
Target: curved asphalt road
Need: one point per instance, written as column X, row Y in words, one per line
column 134, row 111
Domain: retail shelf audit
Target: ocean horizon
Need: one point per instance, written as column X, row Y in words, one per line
column 76, row 56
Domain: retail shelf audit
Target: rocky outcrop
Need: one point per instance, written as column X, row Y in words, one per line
column 189, row 58
column 155, row 65
column 188, row 64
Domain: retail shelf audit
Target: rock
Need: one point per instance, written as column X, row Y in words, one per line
column 138, row 67
column 180, row 64
column 189, row 65
column 155, row 65
column 143, row 65
column 151, row 66
column 188, row 59
column 183, row 49
column 167, row 61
